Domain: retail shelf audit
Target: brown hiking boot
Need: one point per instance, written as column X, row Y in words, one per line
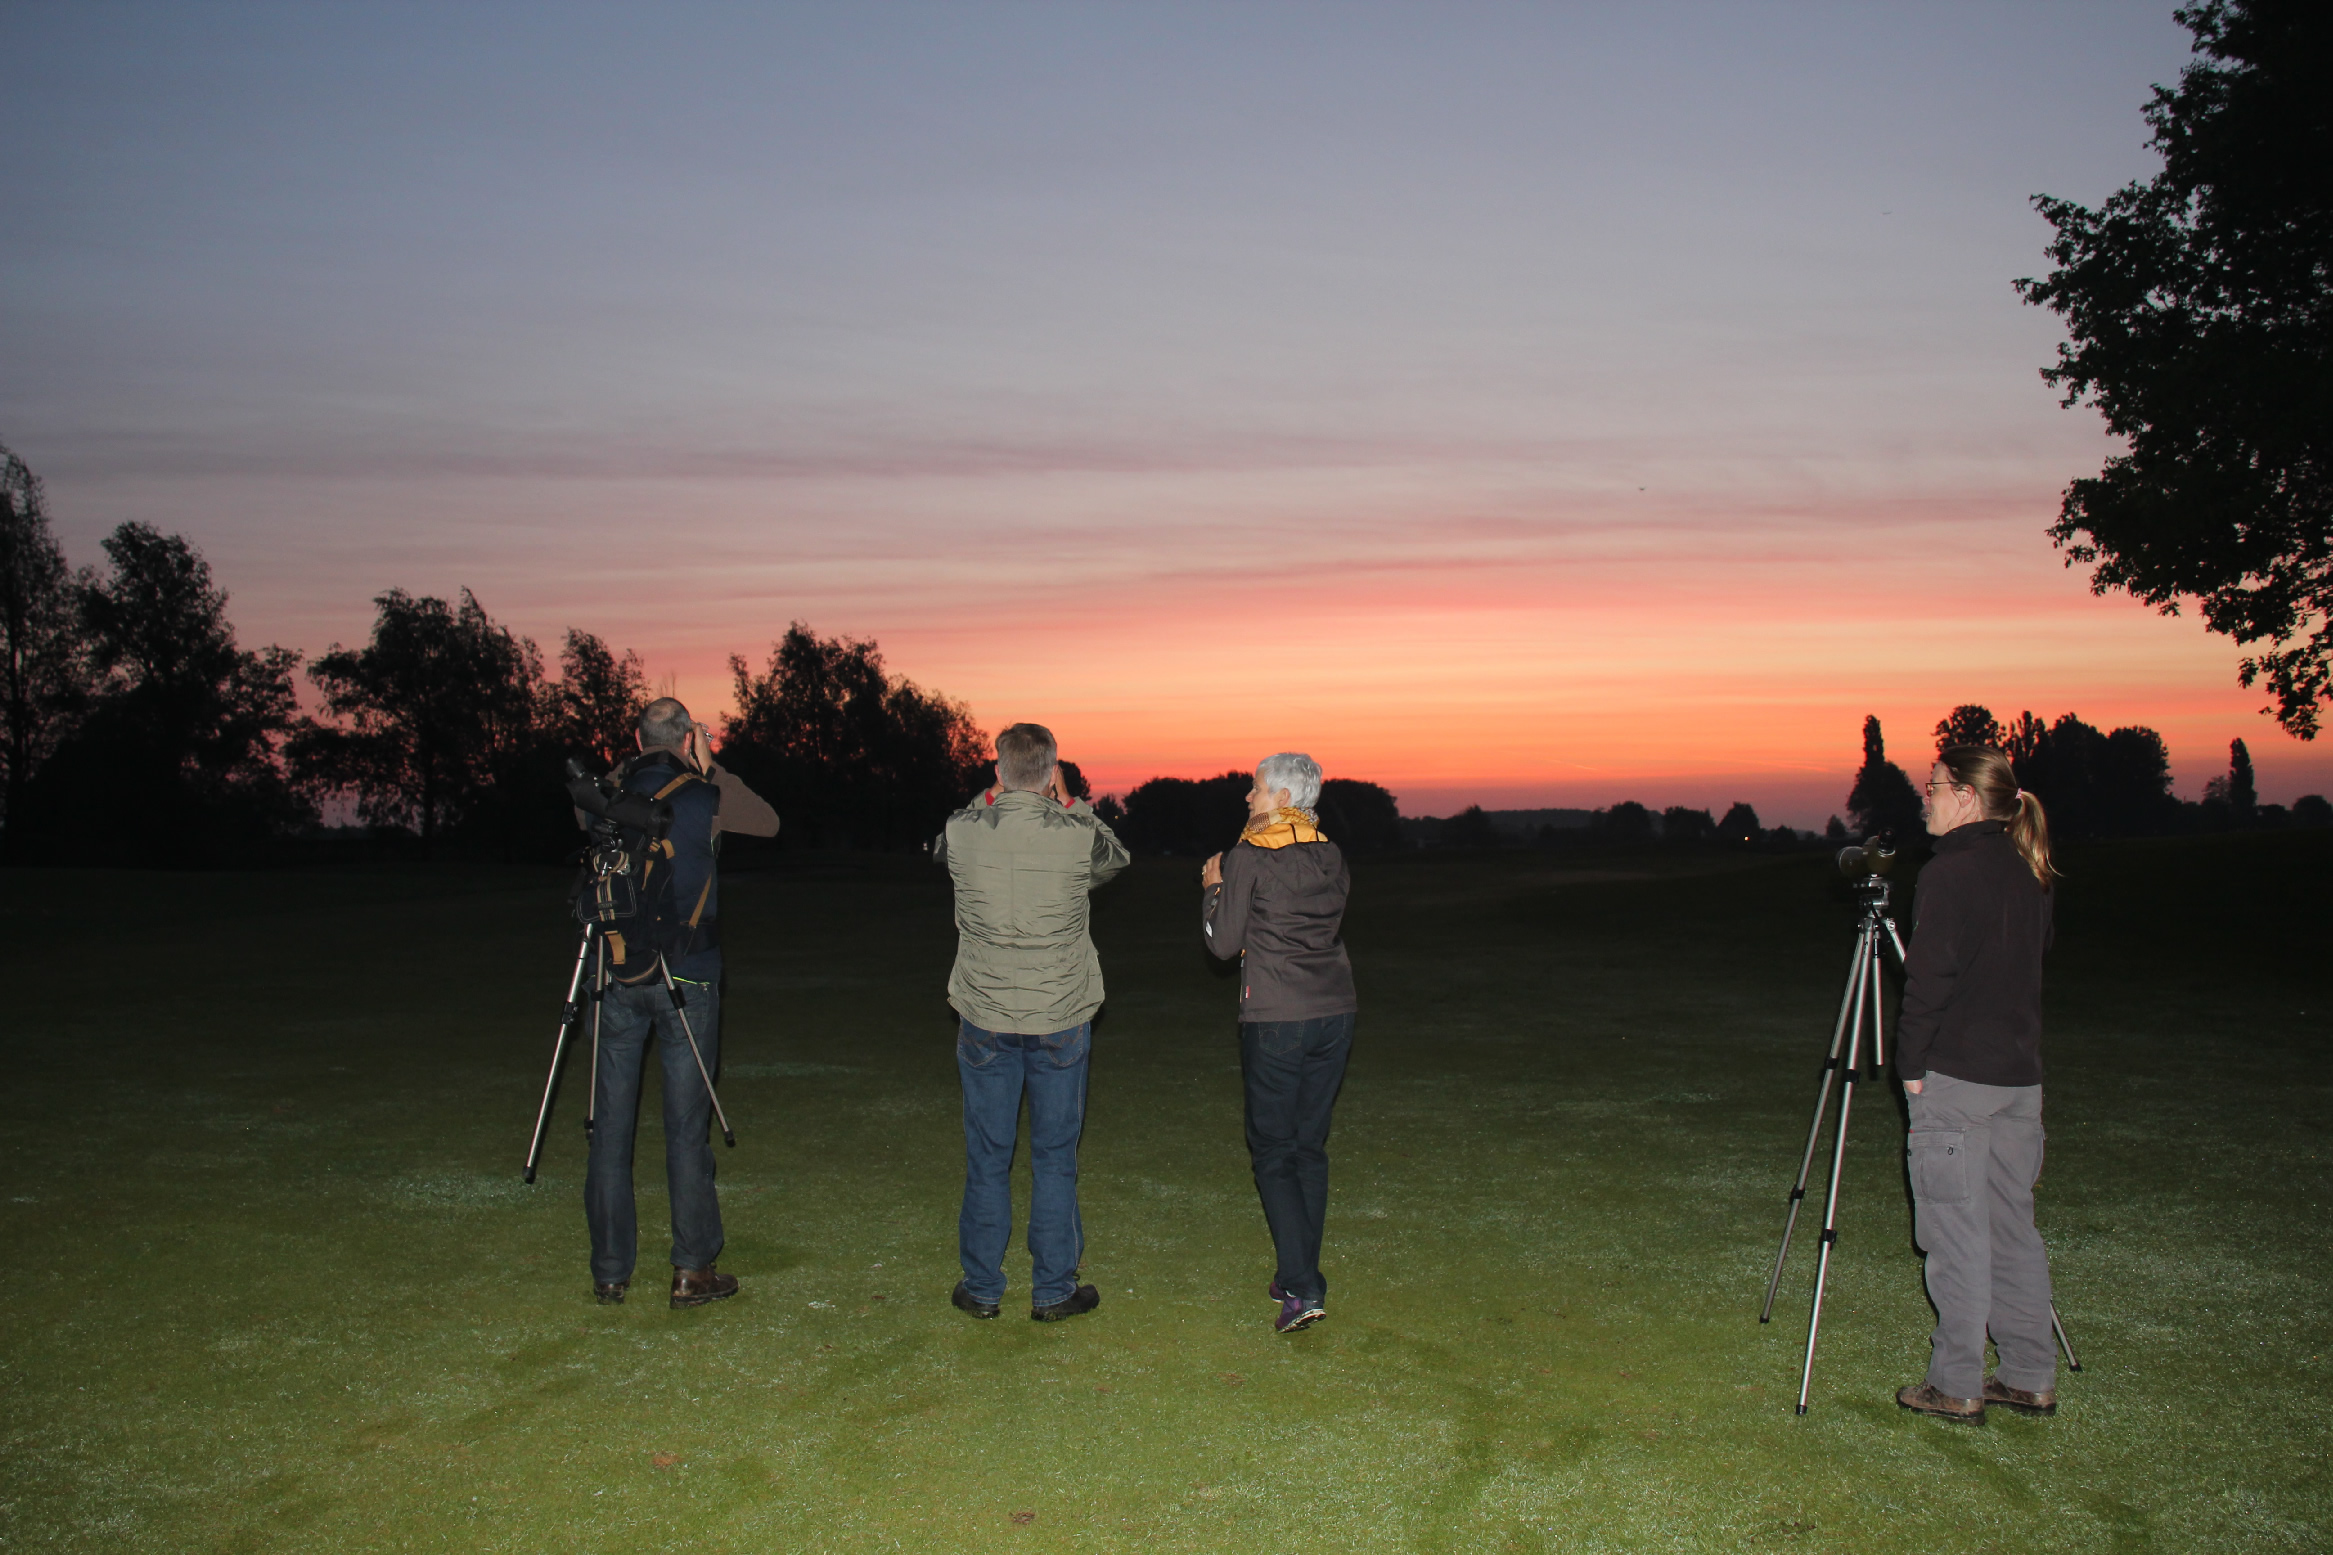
column 1943, row 1406
column 695, row 1287
column 2043, row 1403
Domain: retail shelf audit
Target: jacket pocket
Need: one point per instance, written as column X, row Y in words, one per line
column 1938, row 1162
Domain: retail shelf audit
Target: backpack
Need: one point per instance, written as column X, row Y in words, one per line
column 625, row 887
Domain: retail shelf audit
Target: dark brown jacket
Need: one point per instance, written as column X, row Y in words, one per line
column 1972, row 979
column 1279, row 910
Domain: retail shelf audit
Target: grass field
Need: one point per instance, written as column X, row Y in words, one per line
column 272, row 1280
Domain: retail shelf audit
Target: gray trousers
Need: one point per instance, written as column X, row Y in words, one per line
column 1974, row 1152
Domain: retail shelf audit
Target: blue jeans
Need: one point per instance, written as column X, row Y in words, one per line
column 1294, row 1069
column 997, row 1067
column 628, row 1016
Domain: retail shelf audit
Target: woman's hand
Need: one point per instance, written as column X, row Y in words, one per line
column 1211, row 874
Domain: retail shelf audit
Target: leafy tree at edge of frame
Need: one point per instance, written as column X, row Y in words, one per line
column 2199, row 306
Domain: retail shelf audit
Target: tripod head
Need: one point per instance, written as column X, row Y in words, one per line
column 1866, row 868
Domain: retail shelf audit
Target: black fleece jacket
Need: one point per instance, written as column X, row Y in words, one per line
column 1972, row 979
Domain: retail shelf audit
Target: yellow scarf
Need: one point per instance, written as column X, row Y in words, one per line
column 1283, row 827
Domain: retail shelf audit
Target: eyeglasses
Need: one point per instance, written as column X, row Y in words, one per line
column 1956, row 787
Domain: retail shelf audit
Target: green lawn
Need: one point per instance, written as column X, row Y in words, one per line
column 272, row 1280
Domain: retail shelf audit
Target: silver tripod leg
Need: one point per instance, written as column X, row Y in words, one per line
column 2067, row 1344
column 599, row 994
column 681, row 1009
column 1868, row 984
column 558, row 1051
column 1814, row 1133
column 1879, row 1053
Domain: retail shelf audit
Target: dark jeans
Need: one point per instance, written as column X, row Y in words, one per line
column 997, row 1067
column 627, row 1017
column 1294, row 1069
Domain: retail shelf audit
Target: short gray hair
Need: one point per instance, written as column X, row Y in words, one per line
column 1294, row 771
column 1025, row 754
column 664, row 722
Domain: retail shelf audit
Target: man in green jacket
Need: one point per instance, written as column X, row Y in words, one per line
column 1026, row 985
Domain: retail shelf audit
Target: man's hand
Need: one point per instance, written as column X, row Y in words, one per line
column 1912, row 1087
column 698, row 747
column 1211, row 874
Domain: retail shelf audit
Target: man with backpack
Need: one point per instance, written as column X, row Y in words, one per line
column 678, row 917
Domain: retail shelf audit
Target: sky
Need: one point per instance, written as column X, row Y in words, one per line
column 1511, row 404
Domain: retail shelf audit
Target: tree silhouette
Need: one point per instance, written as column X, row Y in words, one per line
column 1626, row 822
column 1969, row 724
column 2199, row 306
column 851, row 755
column 2236, row 788
column 439, row 703
column 1740, row 824
column 177, row 759
column 593, row 709
column 2093, row 784
column 2133, row 784
column 1360, row 817
column 1883, row 802
column 1682, row 824
column 1073, row 781
column 1191, row 819
column 43, row 675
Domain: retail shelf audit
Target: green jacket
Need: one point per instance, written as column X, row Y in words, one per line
column 1022, row 865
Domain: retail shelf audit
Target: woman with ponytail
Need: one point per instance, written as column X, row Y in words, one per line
column 1968, row 1049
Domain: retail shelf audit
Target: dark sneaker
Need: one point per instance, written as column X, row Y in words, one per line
column 1081, row 1300
column 611, row 1295
column 1296, row 1312
column 2044, row 1403
column 1274, row 1291
column 695, row 1287
column 1919, row 1396
column 964, row 1301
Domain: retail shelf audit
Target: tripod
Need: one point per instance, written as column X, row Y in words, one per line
column 1863, row 995
column 593, row 949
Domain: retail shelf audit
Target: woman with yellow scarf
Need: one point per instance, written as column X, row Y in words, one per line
column 1276, row 900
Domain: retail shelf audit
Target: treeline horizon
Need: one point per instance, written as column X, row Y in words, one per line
column 134, row 729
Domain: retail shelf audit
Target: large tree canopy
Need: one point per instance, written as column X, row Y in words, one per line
column 2200, row 309
column 849, row 753
column 176, row 758
column 432, row 710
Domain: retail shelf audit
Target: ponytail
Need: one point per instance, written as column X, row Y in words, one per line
column 1985, row 769
column 2029, row 829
